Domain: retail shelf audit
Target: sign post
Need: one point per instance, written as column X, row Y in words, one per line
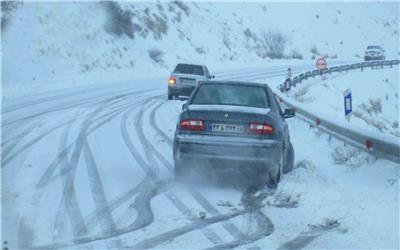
column 348, row 109
column 321, row 64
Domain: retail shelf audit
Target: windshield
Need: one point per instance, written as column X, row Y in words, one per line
column 374, row 47
column 238, row 95
column 189, row 69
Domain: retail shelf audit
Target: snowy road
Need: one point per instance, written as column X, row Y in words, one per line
column 92, row 168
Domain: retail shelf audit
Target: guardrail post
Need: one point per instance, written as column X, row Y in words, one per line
column 391, row 63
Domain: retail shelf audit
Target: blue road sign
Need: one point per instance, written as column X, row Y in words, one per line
column 347, row 104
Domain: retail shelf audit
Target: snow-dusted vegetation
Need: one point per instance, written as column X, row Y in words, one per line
column 375, row 95
column 75, row 42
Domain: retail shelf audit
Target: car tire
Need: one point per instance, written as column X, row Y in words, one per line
column 274, row 178
column 170, row 97
column 289, row 160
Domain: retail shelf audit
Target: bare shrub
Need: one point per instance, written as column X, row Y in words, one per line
column 226, row 40
column 348, row 156
column 183, row 7
column 7, row 7
column 274, row 43
column 250, row 35
column 201, row 50
column 314, row 50
column 295, row 54
column 119, row 21
column 156, row 55
column 157, row 25
column 374, row 106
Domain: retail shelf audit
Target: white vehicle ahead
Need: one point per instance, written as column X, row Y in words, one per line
column 374, row 52
column 185, row 78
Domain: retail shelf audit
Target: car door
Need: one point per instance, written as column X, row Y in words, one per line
column 285, row 127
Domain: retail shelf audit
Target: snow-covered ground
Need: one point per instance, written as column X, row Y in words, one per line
column 86, row 127
column 58, row 44
column 375, row 95
column 93, row 169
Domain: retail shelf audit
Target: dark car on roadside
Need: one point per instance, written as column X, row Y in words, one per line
column 240, row 125
column 185, row 78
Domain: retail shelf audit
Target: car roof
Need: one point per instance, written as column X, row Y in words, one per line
column 235, row 83
column 192, row 64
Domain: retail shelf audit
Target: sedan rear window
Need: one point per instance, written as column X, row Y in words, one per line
column 224, row 94
column 374, row 47
column 189, row 69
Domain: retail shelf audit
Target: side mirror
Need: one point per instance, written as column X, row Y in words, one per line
column 289, row 113
column 184, row 106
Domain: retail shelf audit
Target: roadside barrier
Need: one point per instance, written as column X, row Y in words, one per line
column 346, row 67
column 371, row 143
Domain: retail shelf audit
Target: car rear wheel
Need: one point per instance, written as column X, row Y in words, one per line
column 289, row 160
column 274, row 178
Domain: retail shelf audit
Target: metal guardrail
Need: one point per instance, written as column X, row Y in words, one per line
column 371, row 144
column 346, row 67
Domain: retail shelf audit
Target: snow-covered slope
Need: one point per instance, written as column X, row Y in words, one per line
column 374, row 93
column 69, row 42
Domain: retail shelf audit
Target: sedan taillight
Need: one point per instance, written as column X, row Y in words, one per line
column 192, row 124
column 261, row 129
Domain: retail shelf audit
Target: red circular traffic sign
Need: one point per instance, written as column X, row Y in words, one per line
column 321, row 63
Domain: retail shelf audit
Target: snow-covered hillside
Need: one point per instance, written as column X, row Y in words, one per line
column 375, row 94
column 75, row 41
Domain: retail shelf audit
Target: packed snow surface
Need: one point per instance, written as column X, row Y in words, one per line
column 94, row 169
column 87, row 130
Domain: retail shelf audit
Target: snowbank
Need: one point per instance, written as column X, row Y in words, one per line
column 374, row 94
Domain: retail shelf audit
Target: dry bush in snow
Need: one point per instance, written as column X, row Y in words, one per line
column 119, row 21
column 274, row 43
column 156, row 55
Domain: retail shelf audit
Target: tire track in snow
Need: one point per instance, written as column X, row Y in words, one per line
column 48, row 174
column 141, row 203
column 90, row 219
column 198, row 224
column 106, row 220
column 313, row 232
column 9, row 144
column 59, row 222
column 6, row 161
column 69, row 199
column 212, row 236
column 263, row 225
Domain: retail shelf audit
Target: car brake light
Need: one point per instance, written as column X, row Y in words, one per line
column 192, row 125
column 261, row 129
column 172, row 81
